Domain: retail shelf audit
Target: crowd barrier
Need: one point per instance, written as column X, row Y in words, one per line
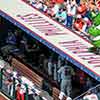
column 9, row 88
column 9, row 85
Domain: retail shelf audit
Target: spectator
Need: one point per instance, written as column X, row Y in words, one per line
column 78, row 2
column 61, row 16
column 81, row 25
column 85, row 26
column 50, row 12
column 55, row 8
column 82, row 8
column 40, row 5
column 87, row 10
column 98, row 5
column 71, row 11
column 59, row 1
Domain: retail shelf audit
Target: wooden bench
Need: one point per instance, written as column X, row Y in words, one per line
column 27, row 72
column 55, row 93
column 32, row 76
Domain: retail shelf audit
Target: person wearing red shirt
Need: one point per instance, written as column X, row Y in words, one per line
column 58, row 1
column 19, row 95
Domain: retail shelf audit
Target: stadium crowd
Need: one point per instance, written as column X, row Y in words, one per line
column 77, row 15
column 81, row 16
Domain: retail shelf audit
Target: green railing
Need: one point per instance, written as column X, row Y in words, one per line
column 9, row 85
column 4, row 87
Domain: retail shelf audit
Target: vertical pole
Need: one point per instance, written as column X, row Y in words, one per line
column 26, row 96
column 1, row 78
column 14, row 96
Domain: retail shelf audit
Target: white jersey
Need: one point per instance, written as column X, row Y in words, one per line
column 61, row 95
column 68, row 98
column 90, row 97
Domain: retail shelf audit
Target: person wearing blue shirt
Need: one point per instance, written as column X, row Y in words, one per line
column 61, row 15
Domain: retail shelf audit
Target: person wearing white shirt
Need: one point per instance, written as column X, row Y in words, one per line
column 55, row 71
column 55, row 9
column 90, row 96
column 62, row 95
column 65, row 75
column 39, row 5
column 71, row 12
column 50, row 66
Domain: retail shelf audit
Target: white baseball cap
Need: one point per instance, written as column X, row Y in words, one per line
column 86, row 19
column 78, row 16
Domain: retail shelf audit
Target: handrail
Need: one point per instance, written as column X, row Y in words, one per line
column 34, row 89
column 77, row 98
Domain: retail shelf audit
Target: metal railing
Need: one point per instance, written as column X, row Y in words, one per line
column 95, row 90
column 8, row 86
